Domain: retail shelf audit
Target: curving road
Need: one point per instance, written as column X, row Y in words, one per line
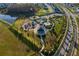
column 43, row 46
column 70, row 38
column 68, row 45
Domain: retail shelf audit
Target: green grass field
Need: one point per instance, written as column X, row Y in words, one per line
column 49, row 37
column 10, row 45
column 77, row 19
column 59, row 25
column 42, row 11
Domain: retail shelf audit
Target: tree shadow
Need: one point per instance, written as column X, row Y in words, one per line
column 25, row 40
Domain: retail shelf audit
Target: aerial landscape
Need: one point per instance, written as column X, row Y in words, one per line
column 39, row 29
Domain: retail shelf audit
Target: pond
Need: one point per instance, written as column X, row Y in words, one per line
column 8, row 18
column 41, row 31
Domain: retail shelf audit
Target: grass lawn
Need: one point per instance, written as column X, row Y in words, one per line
column 77, row 19
column 59, row 25
column 72, row 10
column 29, row 34
column 49, row 41
column 42, row 11
column 50, row 37
column 10, row 45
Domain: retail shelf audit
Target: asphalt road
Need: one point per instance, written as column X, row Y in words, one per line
column 68, row 47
